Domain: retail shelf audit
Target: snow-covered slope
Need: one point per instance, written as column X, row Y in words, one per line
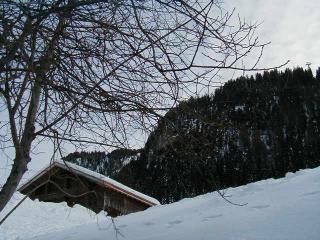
column 33, row 218
column 282, row 209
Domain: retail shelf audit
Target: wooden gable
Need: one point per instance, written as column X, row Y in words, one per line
column 66, row 182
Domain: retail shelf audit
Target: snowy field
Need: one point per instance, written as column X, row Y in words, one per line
column 282, row 209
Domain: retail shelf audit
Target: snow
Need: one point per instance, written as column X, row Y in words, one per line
column 34, row 218
column 281, row 209
column 96, row 176
column 240, row 107
column 126, row 160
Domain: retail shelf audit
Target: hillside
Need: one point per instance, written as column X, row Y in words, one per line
column 252, row 128
column 281, row 209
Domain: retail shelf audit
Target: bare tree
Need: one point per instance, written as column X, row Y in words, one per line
column 85, row 71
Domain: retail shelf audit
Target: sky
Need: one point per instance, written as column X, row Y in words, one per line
column 292, row 27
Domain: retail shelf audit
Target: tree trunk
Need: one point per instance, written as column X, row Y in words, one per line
column 22, row 148
column 18, row 169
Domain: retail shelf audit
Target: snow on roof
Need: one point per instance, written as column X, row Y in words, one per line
column 96, row 177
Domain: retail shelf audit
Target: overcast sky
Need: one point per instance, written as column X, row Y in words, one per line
column 292, row 26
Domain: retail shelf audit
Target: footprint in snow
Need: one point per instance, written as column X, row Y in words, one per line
column 208, row 218
column 171, row 224
column 149, row 223
column 260, row 206
column 311, row 193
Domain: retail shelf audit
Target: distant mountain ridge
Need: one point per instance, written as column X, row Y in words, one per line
column 108, row 164
column 250, row 129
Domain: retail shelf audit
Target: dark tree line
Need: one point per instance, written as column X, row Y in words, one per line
column 250, row 129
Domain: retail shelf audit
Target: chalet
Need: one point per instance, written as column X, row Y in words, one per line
column 66, row 182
